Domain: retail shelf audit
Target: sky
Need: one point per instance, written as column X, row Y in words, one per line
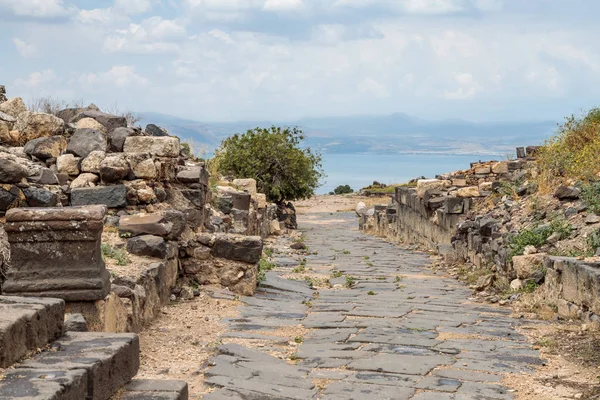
column 228, row 60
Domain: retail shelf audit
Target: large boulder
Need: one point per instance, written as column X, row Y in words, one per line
column 238, row 248
column 13, row 107
column 38, row 197
column 33, row 125
column 110, row 196
column 4, row 117
column 11, row 171
column 110, row 122
column 154, row 130
column 469, row 191
column 114, row 168
column 86, row 140
column 424, row 185
column 116, row 138
column 165, row 146
column 46, row 147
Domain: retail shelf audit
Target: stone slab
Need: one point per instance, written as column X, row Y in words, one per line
column 27, row 324
column 43, row 384
column 110, row 359
column 147, row 389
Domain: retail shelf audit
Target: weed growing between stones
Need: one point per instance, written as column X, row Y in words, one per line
column 119, row 255
column 371, row 293
column 350, row 281
column 336, row 274
column 269, row 252
column 264, row 265
column 538, row 235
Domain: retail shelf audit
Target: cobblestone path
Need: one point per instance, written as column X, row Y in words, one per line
column 399, row 332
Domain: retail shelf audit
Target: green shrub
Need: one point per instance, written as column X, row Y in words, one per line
column 537, row 236
column 119, row 255
column 273, row 157
column 264, row 265
column 590, row 194
column 343, row 189
column 573, row 152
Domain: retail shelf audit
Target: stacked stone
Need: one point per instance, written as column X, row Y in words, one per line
column 82, row 156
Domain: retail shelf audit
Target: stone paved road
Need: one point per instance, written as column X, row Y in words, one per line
column 400, row 332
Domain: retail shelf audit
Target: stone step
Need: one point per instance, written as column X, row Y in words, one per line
column 43, row 384
column 110, row 360
column 146, row 389
column 28, row 324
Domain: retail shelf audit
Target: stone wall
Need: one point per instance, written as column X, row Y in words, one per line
column 440, row 214
column 158, row 202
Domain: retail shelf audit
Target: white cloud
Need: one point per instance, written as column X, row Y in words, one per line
column 134, row 6
column 468, row 88
column 37, row 8
column 219, row 34
column 37, row 79
column 120, row 76
column 152, row 35
column 371, row 86
column 431, row 6
column 25, row 49
column 282, row 5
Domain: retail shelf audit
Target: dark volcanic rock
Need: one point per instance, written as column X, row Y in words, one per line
column 238, row 248
column 111, row 196
column 567, row 193
column 86, row 140
column 116, row 138
column 147, row 246
column 154, row 130
column 37, row 197
column 11, row 171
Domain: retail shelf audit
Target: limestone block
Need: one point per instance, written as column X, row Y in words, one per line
column 46, row 147
column 68, row 164
column 55, row 252
column 90, row 123
column 13, row 107
column 261, row 200
column 248, row 185
column 482, row 169
column 470, row 191
column 110, row 122
column 33, row 125
column 500, row 167
column 92, row 162
column 164, row 146
column 424, row 185
column 526, row 265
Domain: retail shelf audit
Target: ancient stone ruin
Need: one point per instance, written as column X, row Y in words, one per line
column 443, row 214
column 104, row 224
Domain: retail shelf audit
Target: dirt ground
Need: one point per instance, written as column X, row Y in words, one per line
column 178, row 344
column 329, row 203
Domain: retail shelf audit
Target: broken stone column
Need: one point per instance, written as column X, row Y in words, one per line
column 55, row 252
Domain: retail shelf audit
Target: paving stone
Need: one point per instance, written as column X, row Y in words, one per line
column 147, row 389
column 438, row 384
column 110, row 359
column 401, row 364
column 43, row 384
column 356, row 391
column 467, row 375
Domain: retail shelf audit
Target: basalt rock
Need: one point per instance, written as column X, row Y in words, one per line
column 55, row 252
column 84, row 141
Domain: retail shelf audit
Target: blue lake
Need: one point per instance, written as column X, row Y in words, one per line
column 360, row 170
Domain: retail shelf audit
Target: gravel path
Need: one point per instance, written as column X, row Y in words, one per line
column 388, row 328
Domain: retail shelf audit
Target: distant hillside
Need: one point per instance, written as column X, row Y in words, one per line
column 390, row 134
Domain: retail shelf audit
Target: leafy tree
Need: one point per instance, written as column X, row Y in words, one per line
column 283, row 170
column 343, row 189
